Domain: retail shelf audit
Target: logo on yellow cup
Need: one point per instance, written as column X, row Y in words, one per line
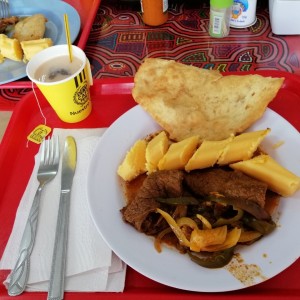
column 81, row 94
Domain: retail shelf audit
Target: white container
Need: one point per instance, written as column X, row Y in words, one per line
column 243, row 13
column 284, row 16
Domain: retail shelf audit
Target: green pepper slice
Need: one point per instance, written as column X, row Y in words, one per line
column 213, row 260
column 264, row 227
column 224, row 221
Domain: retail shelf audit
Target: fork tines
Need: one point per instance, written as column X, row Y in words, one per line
column 4, row 9
column 50, row 151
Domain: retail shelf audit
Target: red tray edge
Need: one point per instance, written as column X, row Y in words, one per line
column 106, row 86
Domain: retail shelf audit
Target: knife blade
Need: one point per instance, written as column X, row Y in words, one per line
column 58, row 267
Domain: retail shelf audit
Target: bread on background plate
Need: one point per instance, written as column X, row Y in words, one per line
column 30, row 28
column 187, row 101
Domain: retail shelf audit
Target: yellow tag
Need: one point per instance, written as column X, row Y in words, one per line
column 38, row 134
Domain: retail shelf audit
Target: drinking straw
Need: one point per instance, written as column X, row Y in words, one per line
column 68, row 36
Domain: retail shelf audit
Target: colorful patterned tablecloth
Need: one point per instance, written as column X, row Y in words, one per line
column 119, row 41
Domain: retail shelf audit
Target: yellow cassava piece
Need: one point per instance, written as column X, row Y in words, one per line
column 207, row 154
column 10, row 48
column 30, row 48
column 242, row 146
column 179, row 154
column 1, row 58
column 134, row 163
column 266, row 169
column 155, row 150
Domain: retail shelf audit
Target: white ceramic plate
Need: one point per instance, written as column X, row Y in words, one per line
column 54, row 11
column 272, row 254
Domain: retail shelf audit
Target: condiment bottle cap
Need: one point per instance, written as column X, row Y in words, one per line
column 221, row 3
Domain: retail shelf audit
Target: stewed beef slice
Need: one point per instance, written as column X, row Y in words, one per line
column 239, row 189
column 140, row 212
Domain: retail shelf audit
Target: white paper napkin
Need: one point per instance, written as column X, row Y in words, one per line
column 91, row 265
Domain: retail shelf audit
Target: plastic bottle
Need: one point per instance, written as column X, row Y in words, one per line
column 154, row 12
column 220, row 14
column 243, row 13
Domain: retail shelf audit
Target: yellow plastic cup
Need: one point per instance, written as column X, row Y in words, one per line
column 70, row 98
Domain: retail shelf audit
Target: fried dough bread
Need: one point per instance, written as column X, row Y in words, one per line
column 187, row 101
column 31, row 28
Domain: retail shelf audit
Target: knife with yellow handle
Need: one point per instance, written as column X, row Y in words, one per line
column 57, row 276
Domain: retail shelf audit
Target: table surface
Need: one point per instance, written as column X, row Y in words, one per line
column 120, row 41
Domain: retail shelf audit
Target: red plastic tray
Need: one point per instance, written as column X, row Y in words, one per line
column 87, row 10
column 111, row 98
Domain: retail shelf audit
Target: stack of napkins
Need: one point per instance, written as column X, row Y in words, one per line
column 91, row 265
